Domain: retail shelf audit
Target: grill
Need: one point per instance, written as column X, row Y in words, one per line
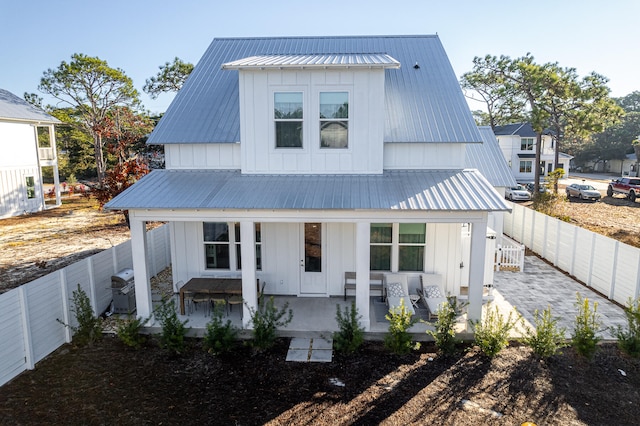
column 124, row 292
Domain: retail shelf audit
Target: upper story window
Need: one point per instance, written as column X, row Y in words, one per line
column 287, row 114
column 334, row 119
column 526, row 144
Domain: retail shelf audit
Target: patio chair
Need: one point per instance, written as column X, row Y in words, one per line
column 397, row 289
column 431, row 293
column 219, row 299
column 202, row 299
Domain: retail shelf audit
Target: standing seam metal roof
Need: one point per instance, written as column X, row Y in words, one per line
column 14, row 108
column 487, row 157
column 313, row 61
column 423, row 104
column 428, row 190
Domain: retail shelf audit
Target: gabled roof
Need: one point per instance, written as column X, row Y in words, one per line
column 489, row 160
column 14, row 108
column 425, row 190
column 524, row 130
column 423, row 103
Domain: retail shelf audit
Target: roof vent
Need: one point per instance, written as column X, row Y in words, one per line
column 416, row 66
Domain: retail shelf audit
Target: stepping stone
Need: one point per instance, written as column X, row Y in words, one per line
column 304, row 349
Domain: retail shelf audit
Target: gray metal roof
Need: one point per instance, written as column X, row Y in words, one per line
column 14, row 108
column 314, row 61
column 423, row 104
column 524, row 130
column 428, row 190
column 487, row 157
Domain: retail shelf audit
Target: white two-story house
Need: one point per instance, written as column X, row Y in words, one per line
column 518, row 144
column 295, row 159
column 28, row 164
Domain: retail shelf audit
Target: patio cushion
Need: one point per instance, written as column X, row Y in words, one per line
column 432, row 291
column 395, row 290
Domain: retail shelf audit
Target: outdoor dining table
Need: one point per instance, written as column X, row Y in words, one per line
column 210, row 286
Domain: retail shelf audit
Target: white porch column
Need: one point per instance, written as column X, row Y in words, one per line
column 248, row 253
column 363, row 239
column 140, row 267
column 476, row 268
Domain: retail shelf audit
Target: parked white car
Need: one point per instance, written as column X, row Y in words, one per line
column 582, row 191
column 517, row 193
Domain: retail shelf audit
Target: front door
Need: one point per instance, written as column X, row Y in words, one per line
column 312, row 260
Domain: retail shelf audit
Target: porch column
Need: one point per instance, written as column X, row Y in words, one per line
column 248, row 253
column 363, row 239
column 476, row 269
column 140, row 267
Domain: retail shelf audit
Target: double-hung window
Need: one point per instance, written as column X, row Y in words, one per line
column 525, row 166
column 334, row 119
column 288, row 117
column 404, row 242
column 222, row 249
column 526, row 144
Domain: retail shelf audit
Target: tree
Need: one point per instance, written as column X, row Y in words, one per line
column 34, row 99
column 170, row 78
column 554, row 96
column 631, row 102
column 93, row 88
column 126, row 133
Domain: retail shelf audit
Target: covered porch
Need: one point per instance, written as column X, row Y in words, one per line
column 346, row 212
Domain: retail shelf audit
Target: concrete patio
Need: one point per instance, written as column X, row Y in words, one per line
column 539, row 286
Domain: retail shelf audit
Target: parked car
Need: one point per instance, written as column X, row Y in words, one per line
column 517, row 193
column 583, row 191
column 531, row 186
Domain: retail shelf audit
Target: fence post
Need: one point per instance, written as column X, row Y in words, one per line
column 66, row 318
column 545, row 234
column 591, row 256
column 614, row 270
column 637, row 292
column 498, row 257
column 557, row 243
column 92, row 286
column 26, row 329
column 573, row 253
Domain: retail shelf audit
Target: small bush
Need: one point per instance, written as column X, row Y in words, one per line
column 398, row 340
column 629, row 339
column 351, row 335
column 128, row 331
column 547, row 338
column 444, row 334
column 492, row 333
column 266, row 320
column 173, row 330
column 89, row 328
column 587, row 323
column 220, row 337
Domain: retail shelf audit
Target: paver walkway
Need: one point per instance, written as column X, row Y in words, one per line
column 542, row 285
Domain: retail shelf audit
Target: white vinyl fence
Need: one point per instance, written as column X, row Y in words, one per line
column 509, row 255
column 29, row 314
column 602, row 263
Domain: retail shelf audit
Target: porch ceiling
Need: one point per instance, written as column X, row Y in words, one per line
column 418, row 190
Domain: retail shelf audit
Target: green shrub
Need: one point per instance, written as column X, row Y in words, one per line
column 547, row 338
column 444, row 334
column 128, row 331
column 219, row 337
column 584, row 338
column 492, row 333
column 351, row 335
column 398, row 340
column 266, row 320
column 173, row 330
column 629, row 339
column 89, row 328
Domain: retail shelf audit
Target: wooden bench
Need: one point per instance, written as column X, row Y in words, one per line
column 376, row 282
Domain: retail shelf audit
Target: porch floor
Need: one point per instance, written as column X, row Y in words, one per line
column 538, row 286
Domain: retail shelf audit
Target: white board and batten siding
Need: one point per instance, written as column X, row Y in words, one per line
column 29, row 314
column 281, row 255
column 202, row 156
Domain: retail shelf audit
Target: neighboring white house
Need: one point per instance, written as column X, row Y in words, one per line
column 295, row 159
column 28, row 146
column 625, row 167
column 518, row 144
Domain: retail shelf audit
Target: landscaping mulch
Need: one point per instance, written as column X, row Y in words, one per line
column 108, row 383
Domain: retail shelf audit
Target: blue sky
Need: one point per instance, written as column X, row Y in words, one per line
column 138, row 36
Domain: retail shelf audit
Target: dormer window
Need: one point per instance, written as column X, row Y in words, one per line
column 334, row 119
column 287, row 113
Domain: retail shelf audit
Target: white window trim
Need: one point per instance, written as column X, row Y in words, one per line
column 395, row 247
column 348, row 119
column 305, row 121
